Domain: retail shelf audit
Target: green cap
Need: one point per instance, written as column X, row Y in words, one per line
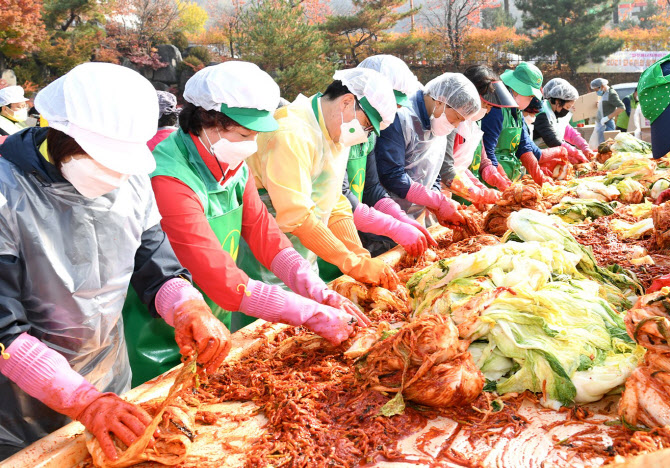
column 253, row 119
column 374, row 116
column 525, row 79
column 653, row 89
column 401, row 98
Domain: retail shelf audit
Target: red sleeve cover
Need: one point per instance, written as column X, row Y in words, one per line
column 259, row 227
column 196, row 245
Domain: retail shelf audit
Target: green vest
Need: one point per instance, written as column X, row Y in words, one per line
column 356, row 166
column 508, row 142
column 151, row 346
column 623, row 118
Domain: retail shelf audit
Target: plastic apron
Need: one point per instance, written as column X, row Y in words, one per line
column 558, row 123
column 424, row 153
column 10, row 127
column 508, row 143
column 151, row 345
column 79, row 256
column 463, row 158
column 598, row 135
column 328, row 174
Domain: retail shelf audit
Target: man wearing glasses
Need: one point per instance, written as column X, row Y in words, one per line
column 299, row 170
column 13, row 110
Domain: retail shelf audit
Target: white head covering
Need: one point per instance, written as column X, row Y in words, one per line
column 456, row 91
column 369, row 84
column 234, row 83
column 558, row 88
column 599, row 83
column 11, row 95
column 111, row 112
column 395, row 70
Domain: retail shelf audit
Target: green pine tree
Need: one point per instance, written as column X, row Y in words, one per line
column 363, row 32
column 278, row 38
column 568, row 28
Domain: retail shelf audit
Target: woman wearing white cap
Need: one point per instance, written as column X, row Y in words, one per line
column 552, row 123
column 78, row 223
column 13, row 110
column 209, row 204
column 299, row 169
column 410, row 152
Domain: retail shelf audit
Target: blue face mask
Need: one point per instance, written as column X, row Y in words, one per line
column 600, row 93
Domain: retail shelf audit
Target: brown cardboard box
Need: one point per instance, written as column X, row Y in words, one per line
column 585, row 107
column 611, row 134
column 586, row 131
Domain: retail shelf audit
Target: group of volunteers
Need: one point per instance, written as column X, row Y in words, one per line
column 134, row 233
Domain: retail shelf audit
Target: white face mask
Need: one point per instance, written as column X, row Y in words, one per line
column 479, row 115
column 20, row 115
column 232, row 153
column 90, row 178
column 352, row 133
column 440, row 126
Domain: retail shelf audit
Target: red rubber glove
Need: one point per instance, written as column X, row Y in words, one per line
column 533, row 168
column 45, row 374
column 483, row 196
column 445, row 208
column 553, row 157
column 197, row 330
column 503, row 174
column 370, row 220
column 574, row 155
column 492, row 177
column 391, row 208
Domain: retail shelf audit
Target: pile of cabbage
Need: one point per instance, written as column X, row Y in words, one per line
column 538, row 312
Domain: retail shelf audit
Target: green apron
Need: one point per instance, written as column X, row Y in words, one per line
column 508, row 142
column 152, row 349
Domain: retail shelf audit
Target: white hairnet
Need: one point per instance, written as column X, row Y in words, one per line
column 558, row 88
column 11, row 95
column 598, row 83
column 367, row 83
column 456, row 91
column 395, row 70
column 111, row 111
column 235, row 84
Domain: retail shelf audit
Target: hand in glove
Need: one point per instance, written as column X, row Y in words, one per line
column 574, row 155
column 492, row 177
column 483, row 196
column 604, row 120
column 296, row 272
column 45, row 375
column 274, row 304
column 376, row 272
column 589, row 155
column 533, row 168
column 445, row 208
column 370, row 220
column 196, row 329
column 388, row 206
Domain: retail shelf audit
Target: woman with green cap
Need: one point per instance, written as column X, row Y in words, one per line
column 208, row 203
column 505, row 139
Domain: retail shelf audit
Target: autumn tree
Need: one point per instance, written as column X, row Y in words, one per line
column 360, row 34
column 225, row 33
column 192, row 17
column 568, row 29
column 279, row 39
column 450, row 21
column 21, row 28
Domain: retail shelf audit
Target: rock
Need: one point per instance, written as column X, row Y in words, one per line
column 184, row 76
column 160, row 86
column 9, row 77
column 168, row 54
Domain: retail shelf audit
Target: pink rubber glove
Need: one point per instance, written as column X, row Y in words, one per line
column 46, row 375
column 388, row 206
column 296, row 273
column 530, row 163
column 575, row 138
column 492, row 177
column 196, row 329
column 273, row 304
column 445, row 208
column 483, row 196
column 476, row 182
column 370, row 220
column 574, row 155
